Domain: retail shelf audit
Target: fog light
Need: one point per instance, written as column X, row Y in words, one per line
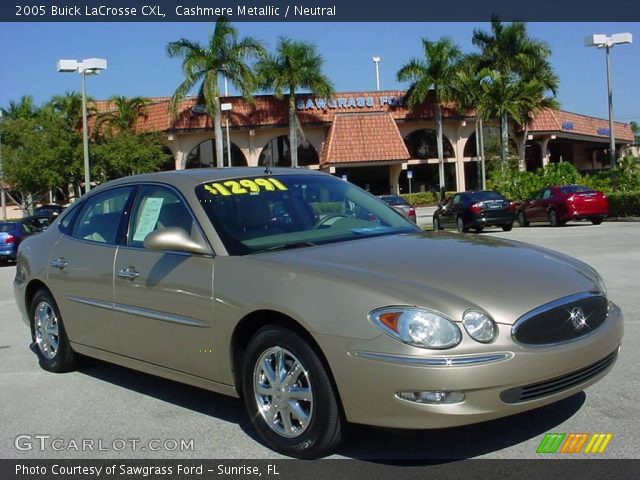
column 432, row 397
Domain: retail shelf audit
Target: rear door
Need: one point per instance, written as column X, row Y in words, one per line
column 164, row 300
column 81, row 269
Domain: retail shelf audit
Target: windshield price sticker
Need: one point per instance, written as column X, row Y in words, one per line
column 245, row 186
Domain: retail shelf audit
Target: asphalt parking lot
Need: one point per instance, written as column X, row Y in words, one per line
column 105, row 403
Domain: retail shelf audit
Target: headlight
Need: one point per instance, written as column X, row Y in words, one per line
column 417, row 326
column 479, row 326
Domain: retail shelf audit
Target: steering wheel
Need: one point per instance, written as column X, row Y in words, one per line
column 323, row 223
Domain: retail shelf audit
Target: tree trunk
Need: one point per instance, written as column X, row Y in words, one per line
column 217, row 127
column 293, row 131
column 438, row 113
column 484, row 172
column 504, row 130
column 523, row 149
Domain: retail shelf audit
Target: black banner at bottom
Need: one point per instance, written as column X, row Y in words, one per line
column 317, row 469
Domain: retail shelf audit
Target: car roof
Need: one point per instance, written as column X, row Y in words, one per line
column 190, row 178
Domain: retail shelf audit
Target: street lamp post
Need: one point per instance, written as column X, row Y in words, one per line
column 3, row 194
column 607, row 42
column 227, row 107
column 88, row 66
column 376, row 60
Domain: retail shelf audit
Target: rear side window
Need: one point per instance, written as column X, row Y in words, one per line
column 101, row 216
column 483, row 196
column 546, row 195
column 569, row 189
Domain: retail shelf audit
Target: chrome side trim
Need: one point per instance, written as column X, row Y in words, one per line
column 452, row 361
column 550, row 306
column 142, row 312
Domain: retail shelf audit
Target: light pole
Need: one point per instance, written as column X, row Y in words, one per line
column 376, row 60
column 3, row 194
column 607, row 42
column 88, row 66
column 227, row 107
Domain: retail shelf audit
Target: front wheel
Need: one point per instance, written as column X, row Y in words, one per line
column 289, row 395
column 507, row 227
column 461, row 227
column 522, row 220
column 49, row 336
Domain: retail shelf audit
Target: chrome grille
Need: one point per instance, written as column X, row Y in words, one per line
column 557, row 384
column 561, row 321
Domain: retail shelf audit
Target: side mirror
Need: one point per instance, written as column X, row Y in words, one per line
column 174, row 239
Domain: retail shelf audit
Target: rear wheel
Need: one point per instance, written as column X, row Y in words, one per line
column 554, row 221
column 436, row 224
column 289, row 395
column 522, row 220
column 597, row 220
column 461, row 227
column 507, row 227
column 49, row 336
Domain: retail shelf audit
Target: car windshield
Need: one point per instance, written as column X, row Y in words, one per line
column 257, row 214
column 394, row 200
column 484, row 196
column 575, row 189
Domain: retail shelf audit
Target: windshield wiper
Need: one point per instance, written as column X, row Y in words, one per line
column 286, row 246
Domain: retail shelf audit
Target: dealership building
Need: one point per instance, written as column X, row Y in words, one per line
column 371, row 138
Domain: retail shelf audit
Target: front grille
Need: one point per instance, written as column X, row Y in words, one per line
column 557, row 384
column 561, row 321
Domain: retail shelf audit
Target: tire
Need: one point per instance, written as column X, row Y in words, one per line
column 597, row 221
column 553, row 219
column 478, row 229
column 436, row 224
column 311, row 429
column 50, row 341
column 522, row 220
column 460, row 225
column 507, row 227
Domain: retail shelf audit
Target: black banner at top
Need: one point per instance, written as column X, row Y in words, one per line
column 317, row 10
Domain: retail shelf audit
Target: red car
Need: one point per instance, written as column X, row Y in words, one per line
column 557, row 205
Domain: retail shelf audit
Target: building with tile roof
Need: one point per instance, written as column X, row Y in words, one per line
column 372, row 138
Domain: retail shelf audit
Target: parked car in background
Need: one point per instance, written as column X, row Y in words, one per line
column 475, row 210
column 559, row 204
column 339, row 310
column 38, row 223
column 11, row 235
column 400, row 205
column 50, row 211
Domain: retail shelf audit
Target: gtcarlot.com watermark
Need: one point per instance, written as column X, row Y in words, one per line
column 46, row 443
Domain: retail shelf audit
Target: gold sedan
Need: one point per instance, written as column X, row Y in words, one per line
column 313, row 301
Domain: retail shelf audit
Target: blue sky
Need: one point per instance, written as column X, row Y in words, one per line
column 138, row 64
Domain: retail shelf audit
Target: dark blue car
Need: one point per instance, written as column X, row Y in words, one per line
column 11, row 234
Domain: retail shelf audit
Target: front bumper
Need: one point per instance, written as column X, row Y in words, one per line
column 368, row 385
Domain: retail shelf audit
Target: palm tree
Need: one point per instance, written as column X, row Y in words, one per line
column 294, row 65
column 68, row 107
column 125, row 114
column 509, row 51
column 24, row 108
column 433, row 72
column 225, row 56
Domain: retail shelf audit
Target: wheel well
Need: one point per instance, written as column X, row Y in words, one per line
column 249, row 325
column 31, row 290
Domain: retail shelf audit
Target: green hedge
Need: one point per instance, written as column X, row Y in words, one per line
column 421, row 199
column 624, row 204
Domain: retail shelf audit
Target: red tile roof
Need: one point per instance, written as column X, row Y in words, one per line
column 567, row 122
column 365, row 137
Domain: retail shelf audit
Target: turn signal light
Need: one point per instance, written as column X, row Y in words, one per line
column 432, row 397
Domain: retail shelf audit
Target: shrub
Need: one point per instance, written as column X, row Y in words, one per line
column 624, row 204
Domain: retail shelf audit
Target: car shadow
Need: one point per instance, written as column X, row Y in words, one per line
column 362, row 442
column 459, row 443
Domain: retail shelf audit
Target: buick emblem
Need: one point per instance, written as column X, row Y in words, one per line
column 578, row 318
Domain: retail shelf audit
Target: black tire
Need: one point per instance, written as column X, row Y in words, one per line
column 61, row 358
column 323, row 431
column 462, row 228
column 522, row 220
column 554, row 221
column 597, row 220
column 478, row 229
column 507, row 227
column 436, row 224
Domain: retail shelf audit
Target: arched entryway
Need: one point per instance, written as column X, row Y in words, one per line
column 277, row 153
column 203, row 155
column 423, row 144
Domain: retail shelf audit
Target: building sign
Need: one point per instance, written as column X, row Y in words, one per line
column 603, row 131
column 567, row 126
column 348, row 102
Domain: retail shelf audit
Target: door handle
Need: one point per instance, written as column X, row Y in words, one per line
column 59, row 263
column 128, row 273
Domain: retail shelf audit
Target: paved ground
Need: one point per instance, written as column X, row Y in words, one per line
column 108, row 403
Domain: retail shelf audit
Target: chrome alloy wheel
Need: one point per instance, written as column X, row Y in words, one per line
column 46, row 330
column 283, row 392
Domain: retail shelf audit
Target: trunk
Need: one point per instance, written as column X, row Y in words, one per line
column 479, row 185
column 217, row 127
column 440, row 150
column 523, row 149
column 293, row 131
column 504, row 131
column 484, row 173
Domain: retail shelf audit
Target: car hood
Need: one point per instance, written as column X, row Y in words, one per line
column 449, row 272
